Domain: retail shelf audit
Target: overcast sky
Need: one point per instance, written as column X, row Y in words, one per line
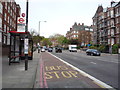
column 60, row 14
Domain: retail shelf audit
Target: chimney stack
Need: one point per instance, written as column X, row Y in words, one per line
column 112, row 3
column 82, row 24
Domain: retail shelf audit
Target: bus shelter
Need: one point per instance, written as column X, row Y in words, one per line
column 16, row 49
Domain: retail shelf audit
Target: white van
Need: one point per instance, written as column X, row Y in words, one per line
column 73, row 48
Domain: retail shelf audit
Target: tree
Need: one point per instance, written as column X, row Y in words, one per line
column 46, row 42
column 65, row 41
column 57, row 39
column 37, row 39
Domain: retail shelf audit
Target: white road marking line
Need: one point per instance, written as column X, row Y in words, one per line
column 93, row 62
column 102, row 84
column 106, row 60
column 98, row 58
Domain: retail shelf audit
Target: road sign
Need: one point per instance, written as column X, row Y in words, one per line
column 21, row 20
column 23, row 14
column 21, row 27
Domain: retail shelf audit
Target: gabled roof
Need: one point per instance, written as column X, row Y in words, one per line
column 99, row 10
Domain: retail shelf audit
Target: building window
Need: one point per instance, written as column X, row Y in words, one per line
column 94, row 23
column 108, row 14
column 117, row 11
column 117, row 20
column 4, row 40
column 117, row 40
column 112, row 41
column 9, row 9
column 112, row 23
column 11, row 12
column 108, row 23
column 1, row 7
column 74, row 35
column 112, row 31
column 74, row 32
column 117, row 30
column 6, row 5
column 108, row 32
column 5, row 17
column 112, row 13
column 5, row 28
column 8, row 19
column 108, row 41
column 0, row 23
column 0, row 37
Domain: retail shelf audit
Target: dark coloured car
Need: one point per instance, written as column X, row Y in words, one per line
column 93, row 52
column 50, row 49
column 58, row 50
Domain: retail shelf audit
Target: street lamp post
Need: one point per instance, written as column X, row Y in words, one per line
column 39, row 27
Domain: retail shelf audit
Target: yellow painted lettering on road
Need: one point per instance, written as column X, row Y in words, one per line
column 56, row 74
column 66, row 74
column 46, row 68
column 52, row 68
column 74, row 73
column 47, row 75
column 64, row 68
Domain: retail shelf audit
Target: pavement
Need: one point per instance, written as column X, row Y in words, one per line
column 44, row 71
column 15, row 76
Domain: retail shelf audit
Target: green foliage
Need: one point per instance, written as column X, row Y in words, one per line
column 46, row 42
column 101, row 48
column 93, row 47
column 59, row 39
column 37, row 39
column 78, row 47
column 115, row 49
column 65, row 41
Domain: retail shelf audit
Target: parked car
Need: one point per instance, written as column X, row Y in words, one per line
column 50, row 49
column 58, row 50
column 42, row 50
column 93, row 52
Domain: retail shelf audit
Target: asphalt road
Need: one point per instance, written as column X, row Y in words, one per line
column 104, row 67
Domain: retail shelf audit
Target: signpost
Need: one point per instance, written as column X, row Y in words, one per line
column 21, row 23
column 26, row 37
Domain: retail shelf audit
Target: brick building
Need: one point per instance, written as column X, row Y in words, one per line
column 1, row 13
column 106, row 25
column 81, row 32
column 9, row 12
column 8, row 19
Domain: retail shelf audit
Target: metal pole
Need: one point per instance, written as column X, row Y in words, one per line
column 26, row 16
column 39, row 29
column 26, row 55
